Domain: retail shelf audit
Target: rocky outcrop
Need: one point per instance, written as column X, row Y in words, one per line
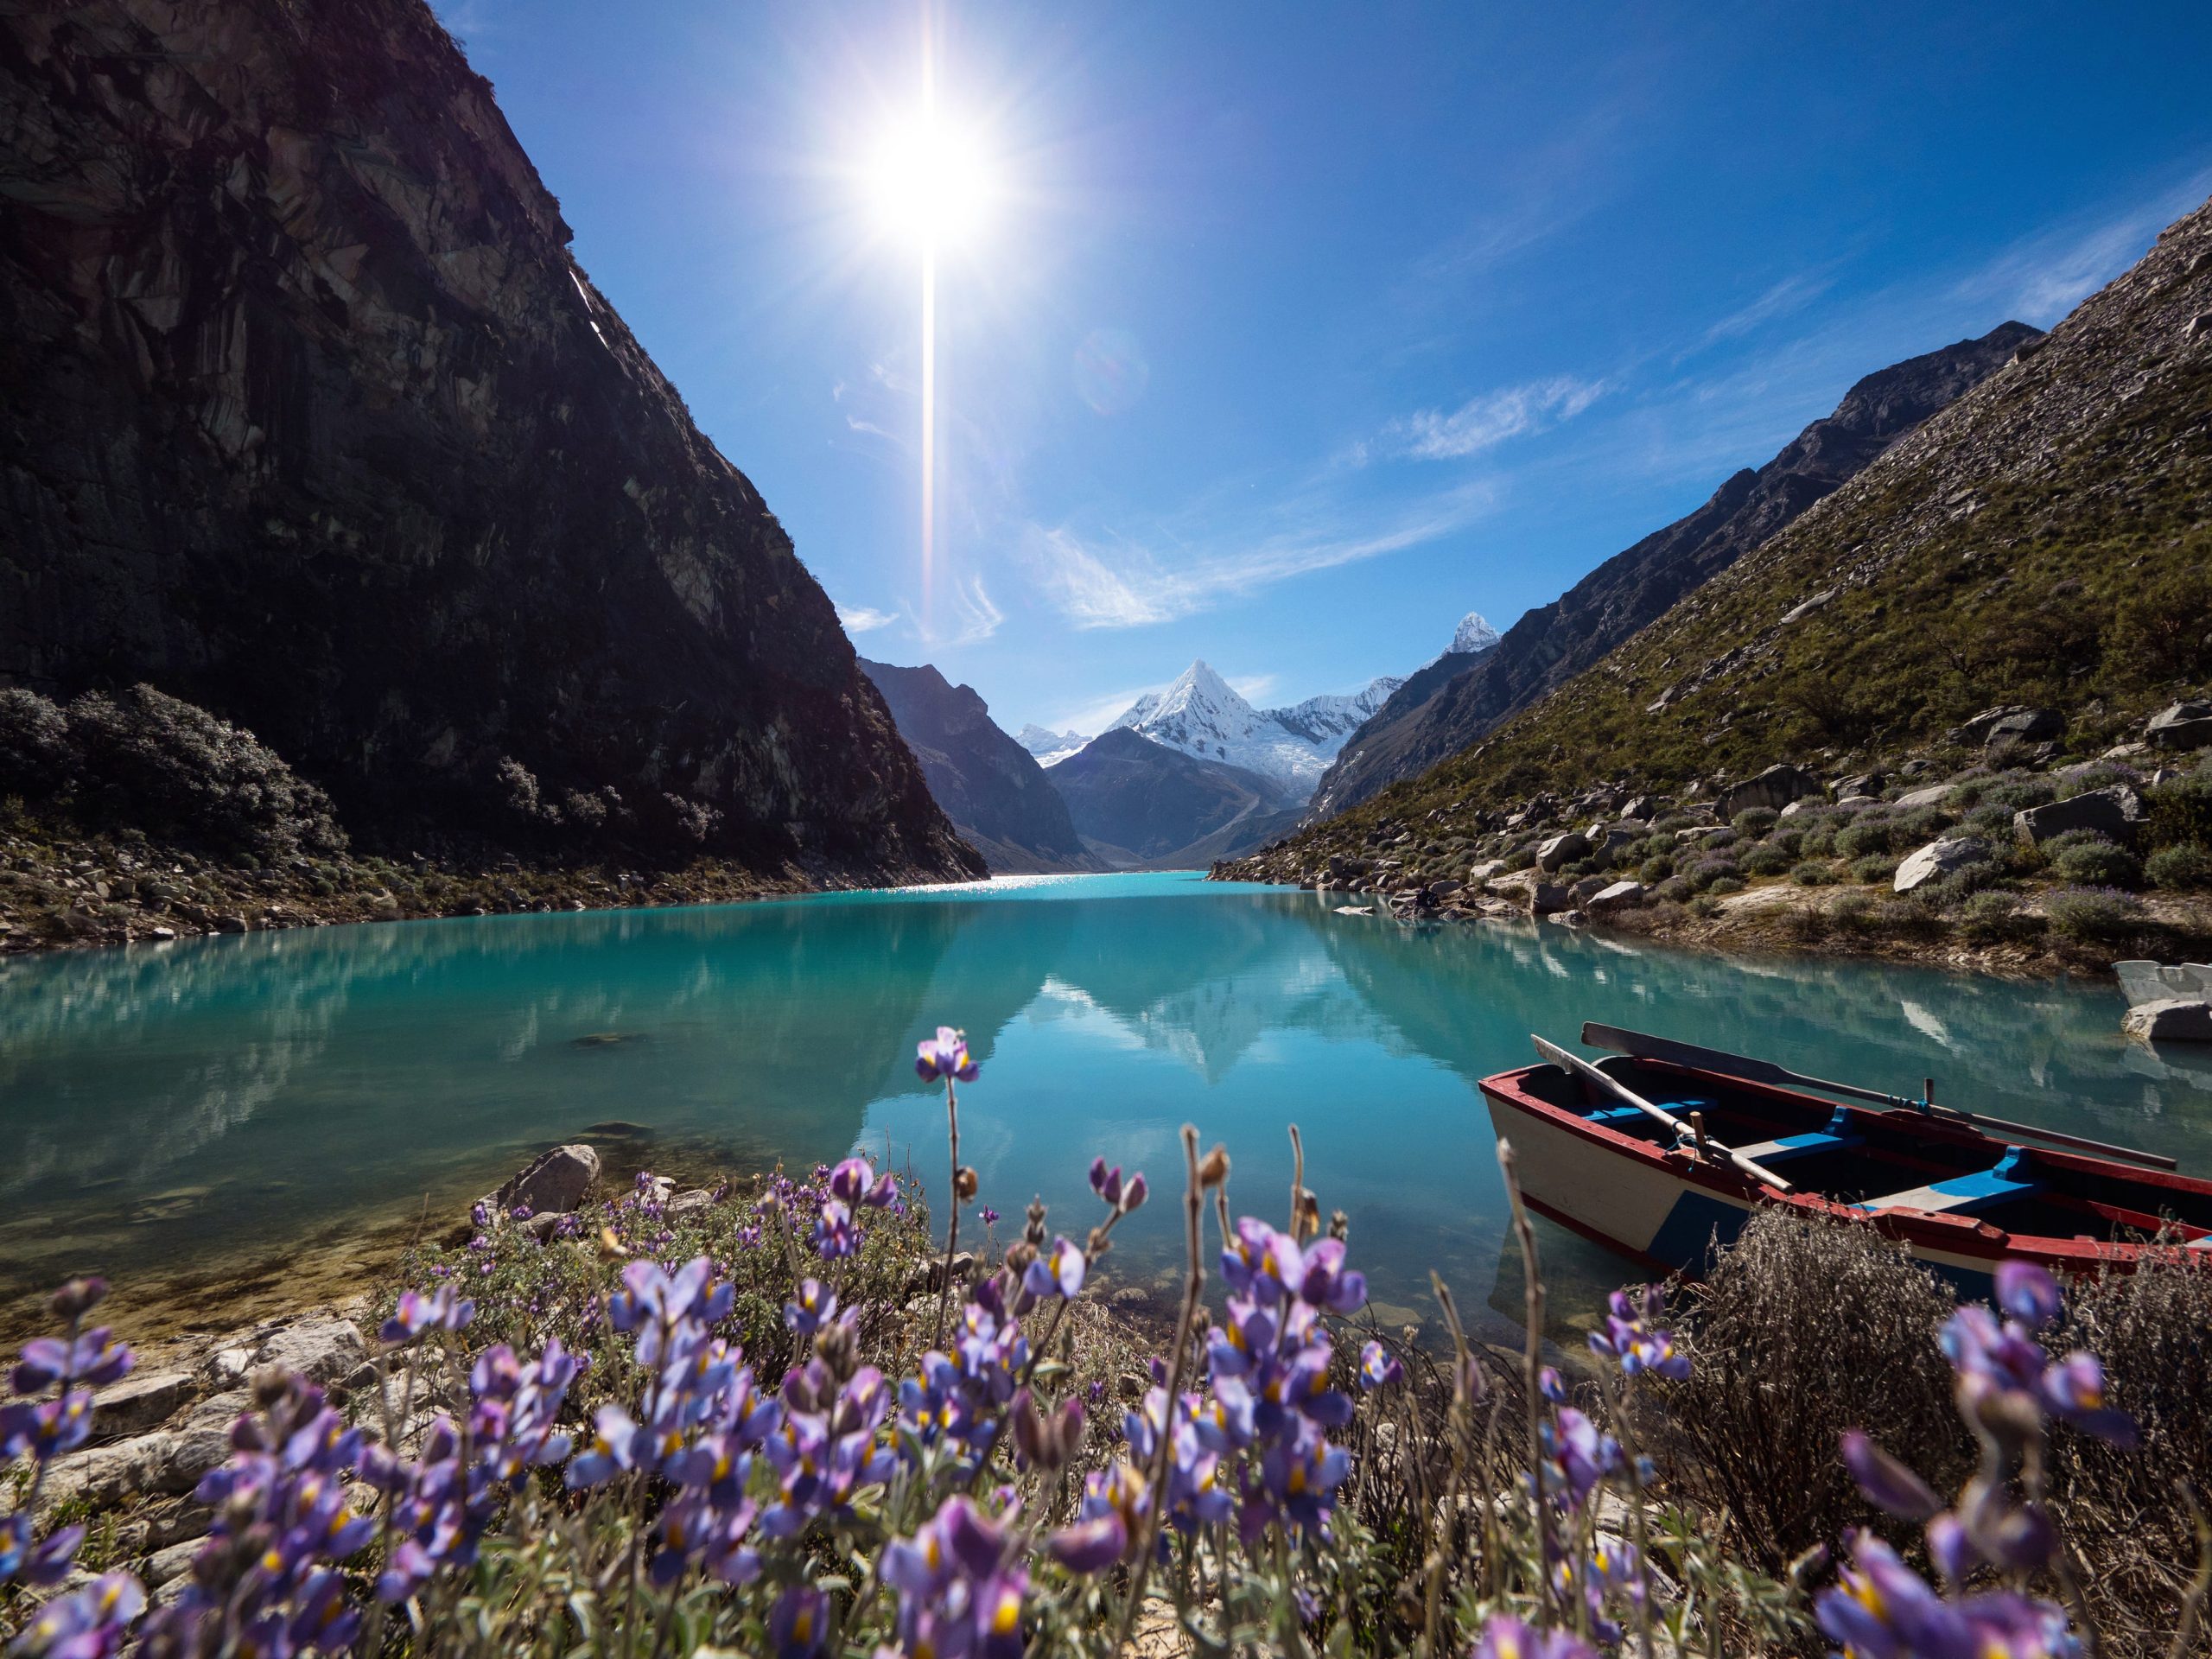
column 553, row 1183
column 992, row 788
column 1434, row 714
column 2116, row 813
column 313, row 420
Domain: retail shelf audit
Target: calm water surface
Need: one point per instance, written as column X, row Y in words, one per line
column 165, row 1107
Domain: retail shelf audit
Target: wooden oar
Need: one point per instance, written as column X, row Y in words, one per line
column 1642, row 1045
column 1575, row 1065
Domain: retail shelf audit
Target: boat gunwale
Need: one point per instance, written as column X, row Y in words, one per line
column 1956, row 1234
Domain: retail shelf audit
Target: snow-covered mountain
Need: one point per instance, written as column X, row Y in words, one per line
column 1050, row 747
column 1472, row 636
column 1202, row 715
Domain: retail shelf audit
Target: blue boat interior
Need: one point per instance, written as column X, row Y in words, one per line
column 1882, row 1160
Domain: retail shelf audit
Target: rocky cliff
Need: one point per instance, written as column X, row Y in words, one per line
column 997, row 795
column 1438, row 712
column 312, row 419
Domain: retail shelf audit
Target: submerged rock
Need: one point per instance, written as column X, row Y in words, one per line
column 553, row 1183
column 2172, row 1021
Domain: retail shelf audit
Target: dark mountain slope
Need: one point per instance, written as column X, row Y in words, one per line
column 1435, row 715
column 311, row 418
column 2046, row 541
column 1154, row 802
column 992, row 788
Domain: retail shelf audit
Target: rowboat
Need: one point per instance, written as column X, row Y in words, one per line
column 1663, row 1149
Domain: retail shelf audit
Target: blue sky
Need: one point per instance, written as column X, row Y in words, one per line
column 1293, row 332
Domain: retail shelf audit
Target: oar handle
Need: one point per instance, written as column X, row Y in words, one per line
column 1575, row 1065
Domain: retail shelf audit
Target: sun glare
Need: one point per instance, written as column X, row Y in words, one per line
column 930, row 183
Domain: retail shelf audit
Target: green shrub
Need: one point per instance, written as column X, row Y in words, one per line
column 1724, row 884
column 2098, row 915
column 1818, row 842
column 1812, row 873
column 34, row 753
column 2018, row 792
column 2180, row 867
column 1871, row 834
column 2097, row 863
column 1908, row 917
column 1672, row 822
column 1875, row 867
column 1756, row 820
column 1766, row 858
column 1654, row 869
column 1962, row 884
column 2102, row 775
column 1852, row 912
column 1994, row 917
column 1992, row 821
column 2180, row 809
column 1791, row 841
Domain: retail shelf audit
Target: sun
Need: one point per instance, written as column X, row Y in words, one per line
column 930, row 182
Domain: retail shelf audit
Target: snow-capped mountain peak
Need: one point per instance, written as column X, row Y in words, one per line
column 1050, row 747
column 1202, row 715
column 1474, row 634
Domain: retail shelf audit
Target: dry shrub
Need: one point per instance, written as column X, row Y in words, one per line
column 2123, row 1510
column 1804, row 1329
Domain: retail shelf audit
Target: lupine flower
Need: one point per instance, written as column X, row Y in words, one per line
column 1326, row 1283
column 1506, row 1638
column 90, row 1624
column 947, row 1057
column 1629, row 1337
column 814, row 1306
column 1059, row 1272
column 2007, row 1383
column 1378, row 1366
column 853, row 1182
column 959, row 1591
column 442, row 1310
column 1106, row 1183
column 42, row 1563
column 1886, row 1483
column 835, row 1237
column 89, row 1358
column 1580, row 1456
column 798, row 1624
column 1883, row 1608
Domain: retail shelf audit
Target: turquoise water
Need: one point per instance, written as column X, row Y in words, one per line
column 163, row 1107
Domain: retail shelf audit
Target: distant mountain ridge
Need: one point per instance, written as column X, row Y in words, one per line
column 1436, row 714
column 1203, row 717
column 996, row 795
column 2042, row 543
column 1049, row 747
column 1149, row 805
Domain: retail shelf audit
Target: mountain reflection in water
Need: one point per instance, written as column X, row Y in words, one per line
column 164, row 1104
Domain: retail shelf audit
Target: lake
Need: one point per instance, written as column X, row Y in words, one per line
column 237, row 1119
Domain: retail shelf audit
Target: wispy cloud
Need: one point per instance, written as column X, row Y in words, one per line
column 1791, row 293
column 1253, row 687
column 2042, row 278
column 864, row 619
column 1489, row 418
column 1095, row 716
column 1117, row 582
column 964, row 616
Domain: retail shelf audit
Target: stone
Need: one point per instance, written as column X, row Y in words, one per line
column 553, row 1183
column 1867, row 783
column 1562, row 849
column 228, row 1366
column 1938, row 860
column 2116, row 811
column 2182, row 726
column 1932, row 796
column 140, row 1401
column 1796, row 807
column 322, row 1348
column 695, row 1202
column 2013, row 720
column 1581, row 892
column 227, row 924
column 164, row 1463
column 2173, row 1020
column 1643, row 808
column 1621, row 895
column 1774, row 788
column 1488, row 870
column 166, row 1564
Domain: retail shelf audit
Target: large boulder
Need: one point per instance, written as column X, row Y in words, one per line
column 553, row 1183
column 2116, row 812
column 2013, row 719
column 2171, row 1021
column 1562, row 850
column 322, row 1348
column 140, row 1401
column 1938, row 860
column 1774, row 789
column 2184, row 726
column 1621, row 895
column 1934, row 795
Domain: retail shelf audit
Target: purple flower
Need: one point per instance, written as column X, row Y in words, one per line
column 90, row 1624
column 1058, row 1272
column 1091, row 1546
column 834, row 1236
column 47, row 1428
column 2026, row 1292
column 947, row 1057
column 814, row 1306
column 1378, row 1366
column 89, row 1358
column 1884, row 1482
column 441, row 1310
column 1106, row 1183
column 798, row 1624
column 1506, row 1638
column 613, row 1448
column 1326, row 1283
column 44, row 1563
column 1630, row 1339
column 853, row 1182
column 988, row 1215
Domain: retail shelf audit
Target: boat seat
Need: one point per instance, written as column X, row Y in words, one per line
column 1964, row 1194
column 1834, row 1135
